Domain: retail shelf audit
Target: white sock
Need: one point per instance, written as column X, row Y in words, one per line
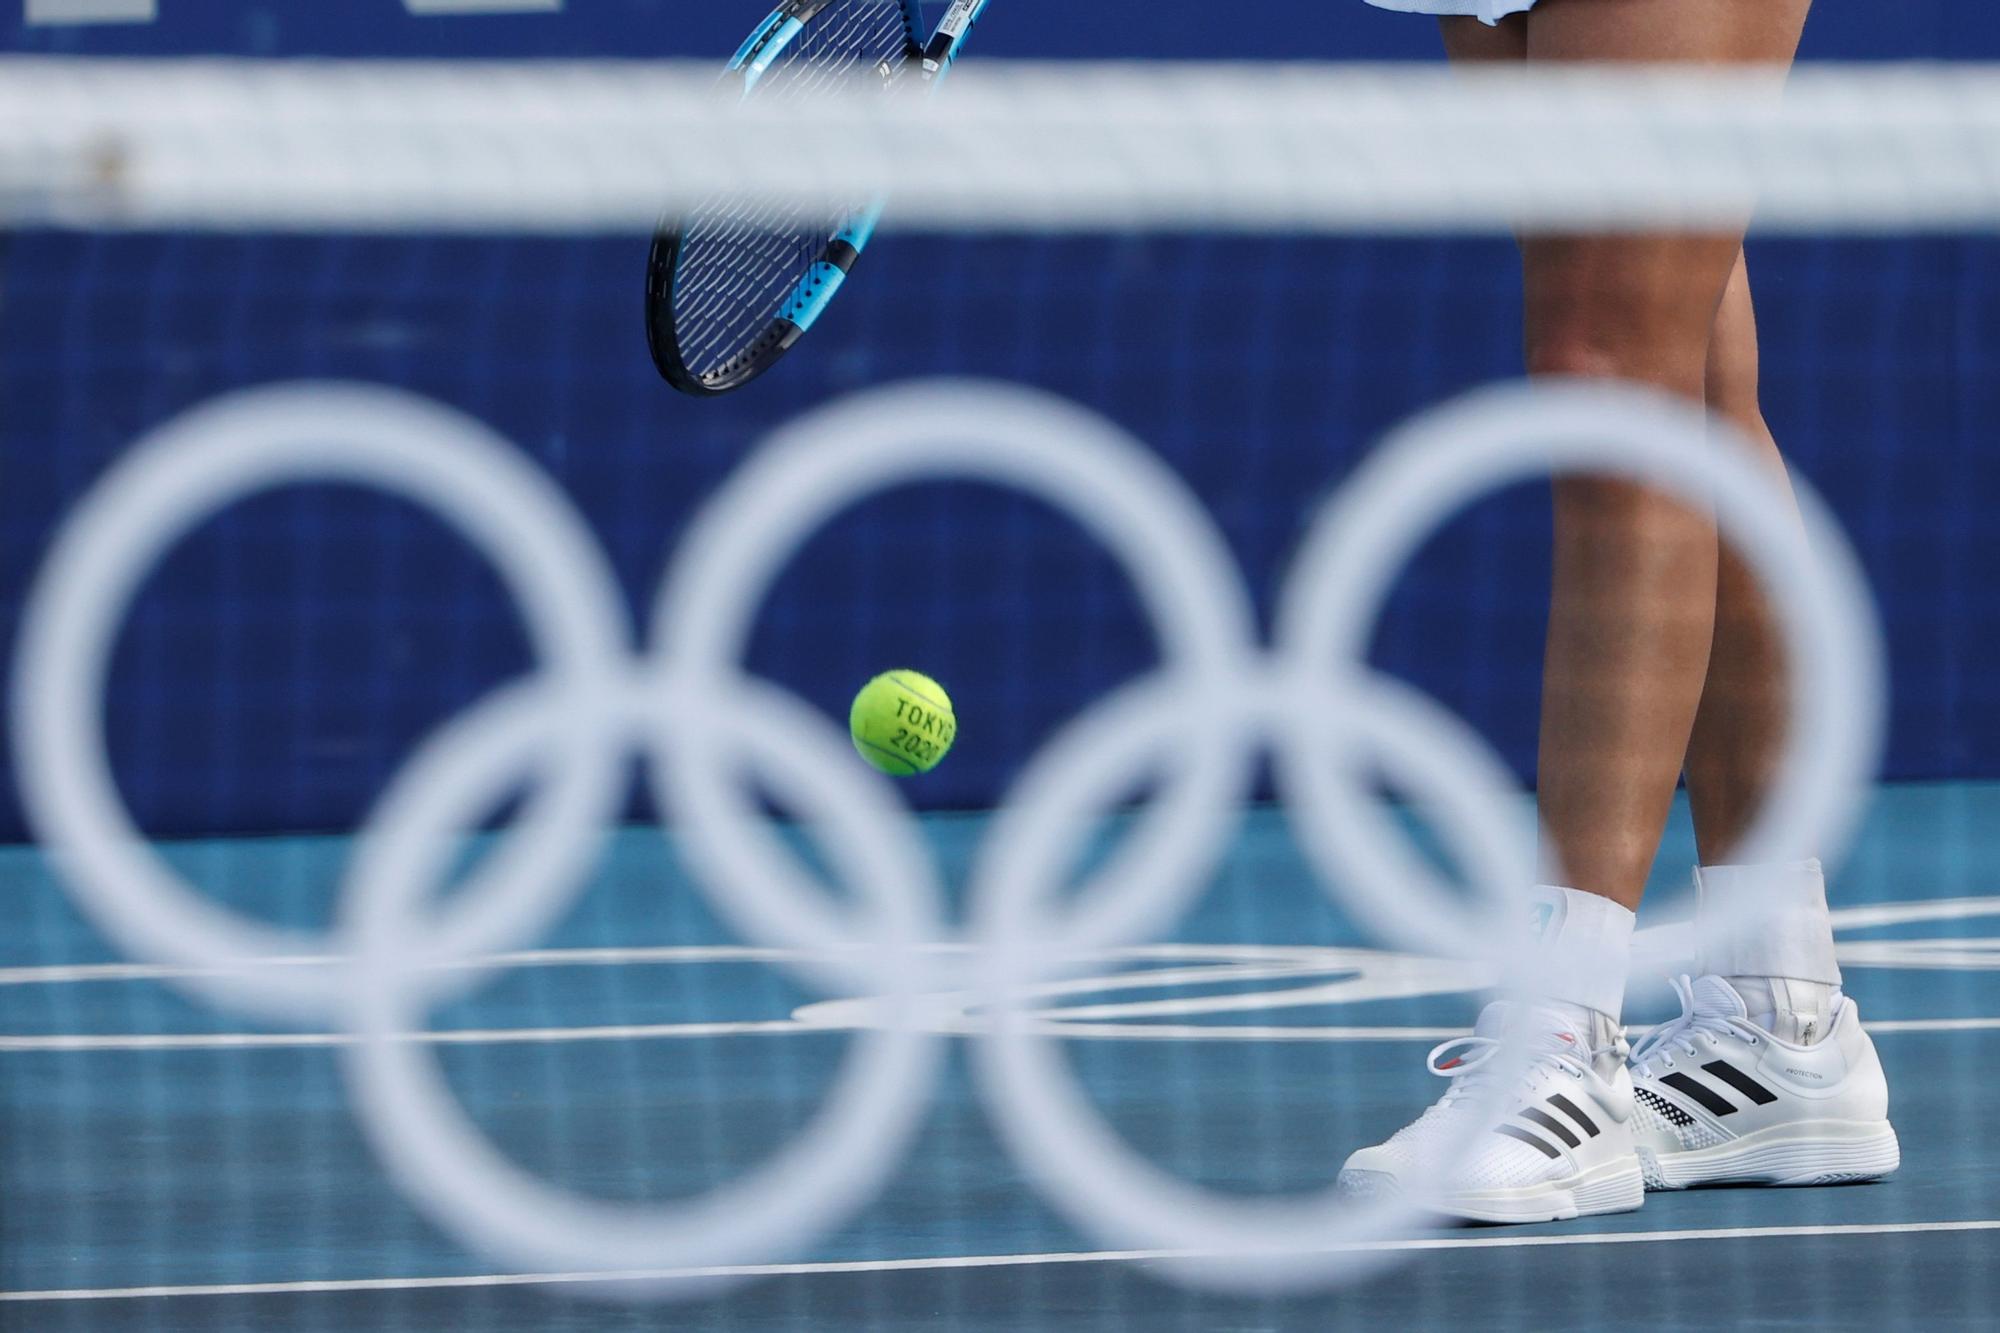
column 1766, row 929
column 1581, row 949
column 1789, row 1009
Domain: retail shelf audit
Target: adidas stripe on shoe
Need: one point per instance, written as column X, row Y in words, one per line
column 1721, row 1100
column 1559, row 1144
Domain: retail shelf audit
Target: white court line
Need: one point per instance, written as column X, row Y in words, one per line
column 207, row 1041
column 1302, row 957
column 1223, row 963
column 204, row 1041
column 680, row 953
column 1412, row 1244
column 1908, row 913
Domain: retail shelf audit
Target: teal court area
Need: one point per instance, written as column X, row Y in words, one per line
column 172, row 1167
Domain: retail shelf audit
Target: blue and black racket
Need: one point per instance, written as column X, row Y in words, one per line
column 732, row 285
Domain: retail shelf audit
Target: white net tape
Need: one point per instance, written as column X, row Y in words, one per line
column 607, row 146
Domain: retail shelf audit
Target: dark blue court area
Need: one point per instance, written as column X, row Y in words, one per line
column 167, row 1166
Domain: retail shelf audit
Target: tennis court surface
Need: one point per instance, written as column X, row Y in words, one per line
column 170, row 1170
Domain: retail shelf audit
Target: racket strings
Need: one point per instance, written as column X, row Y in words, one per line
column 831, row 51
column 741, row 260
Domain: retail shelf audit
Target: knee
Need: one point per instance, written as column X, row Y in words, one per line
column 1582, row 354
column 1625, row 331
column 1595, row 507
column 1595, row 353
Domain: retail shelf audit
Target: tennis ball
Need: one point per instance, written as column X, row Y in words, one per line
column 902, row 723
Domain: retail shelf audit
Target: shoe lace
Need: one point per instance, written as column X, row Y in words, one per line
column 1471, row 1060
column 1468, row 1056
column 1682, row 1032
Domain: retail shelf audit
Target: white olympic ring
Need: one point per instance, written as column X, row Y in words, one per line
column 1196, row 724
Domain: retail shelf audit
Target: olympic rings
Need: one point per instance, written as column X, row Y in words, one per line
column 184, row 471
column 1195, row 726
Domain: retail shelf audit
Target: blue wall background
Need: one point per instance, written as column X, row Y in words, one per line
column 1191, row 29
column 287, row 658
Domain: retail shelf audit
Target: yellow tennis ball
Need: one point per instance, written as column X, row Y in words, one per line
column 902, row 723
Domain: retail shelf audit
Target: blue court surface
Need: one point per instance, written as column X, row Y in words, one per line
column 164, row 1165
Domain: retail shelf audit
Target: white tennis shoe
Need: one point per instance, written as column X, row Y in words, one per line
column 1722, row 1100
column 1557, row 1145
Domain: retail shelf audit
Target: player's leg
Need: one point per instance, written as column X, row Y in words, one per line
column 1740, row 724
column 1468, row 41
column 1631, row 621
column 1634, row 598
column 1632, row 602
column 1780, row 1084
column 1634, row 591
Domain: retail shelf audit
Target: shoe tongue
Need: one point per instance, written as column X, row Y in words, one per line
column 1514, row 1020
column 1714, row 995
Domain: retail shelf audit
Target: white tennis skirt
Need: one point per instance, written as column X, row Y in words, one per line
column 1487, row 11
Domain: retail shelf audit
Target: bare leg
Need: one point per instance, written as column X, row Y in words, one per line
column 1787, row 971
column 1741, row 722
column 1632, row 611
column 1467, row 40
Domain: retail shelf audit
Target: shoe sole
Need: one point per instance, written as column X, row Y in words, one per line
column 1614, row 1187
column 1816, row 1152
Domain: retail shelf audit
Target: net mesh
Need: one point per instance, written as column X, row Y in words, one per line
column 1258, row 274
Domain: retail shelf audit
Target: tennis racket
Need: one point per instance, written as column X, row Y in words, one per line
column 733, row 284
